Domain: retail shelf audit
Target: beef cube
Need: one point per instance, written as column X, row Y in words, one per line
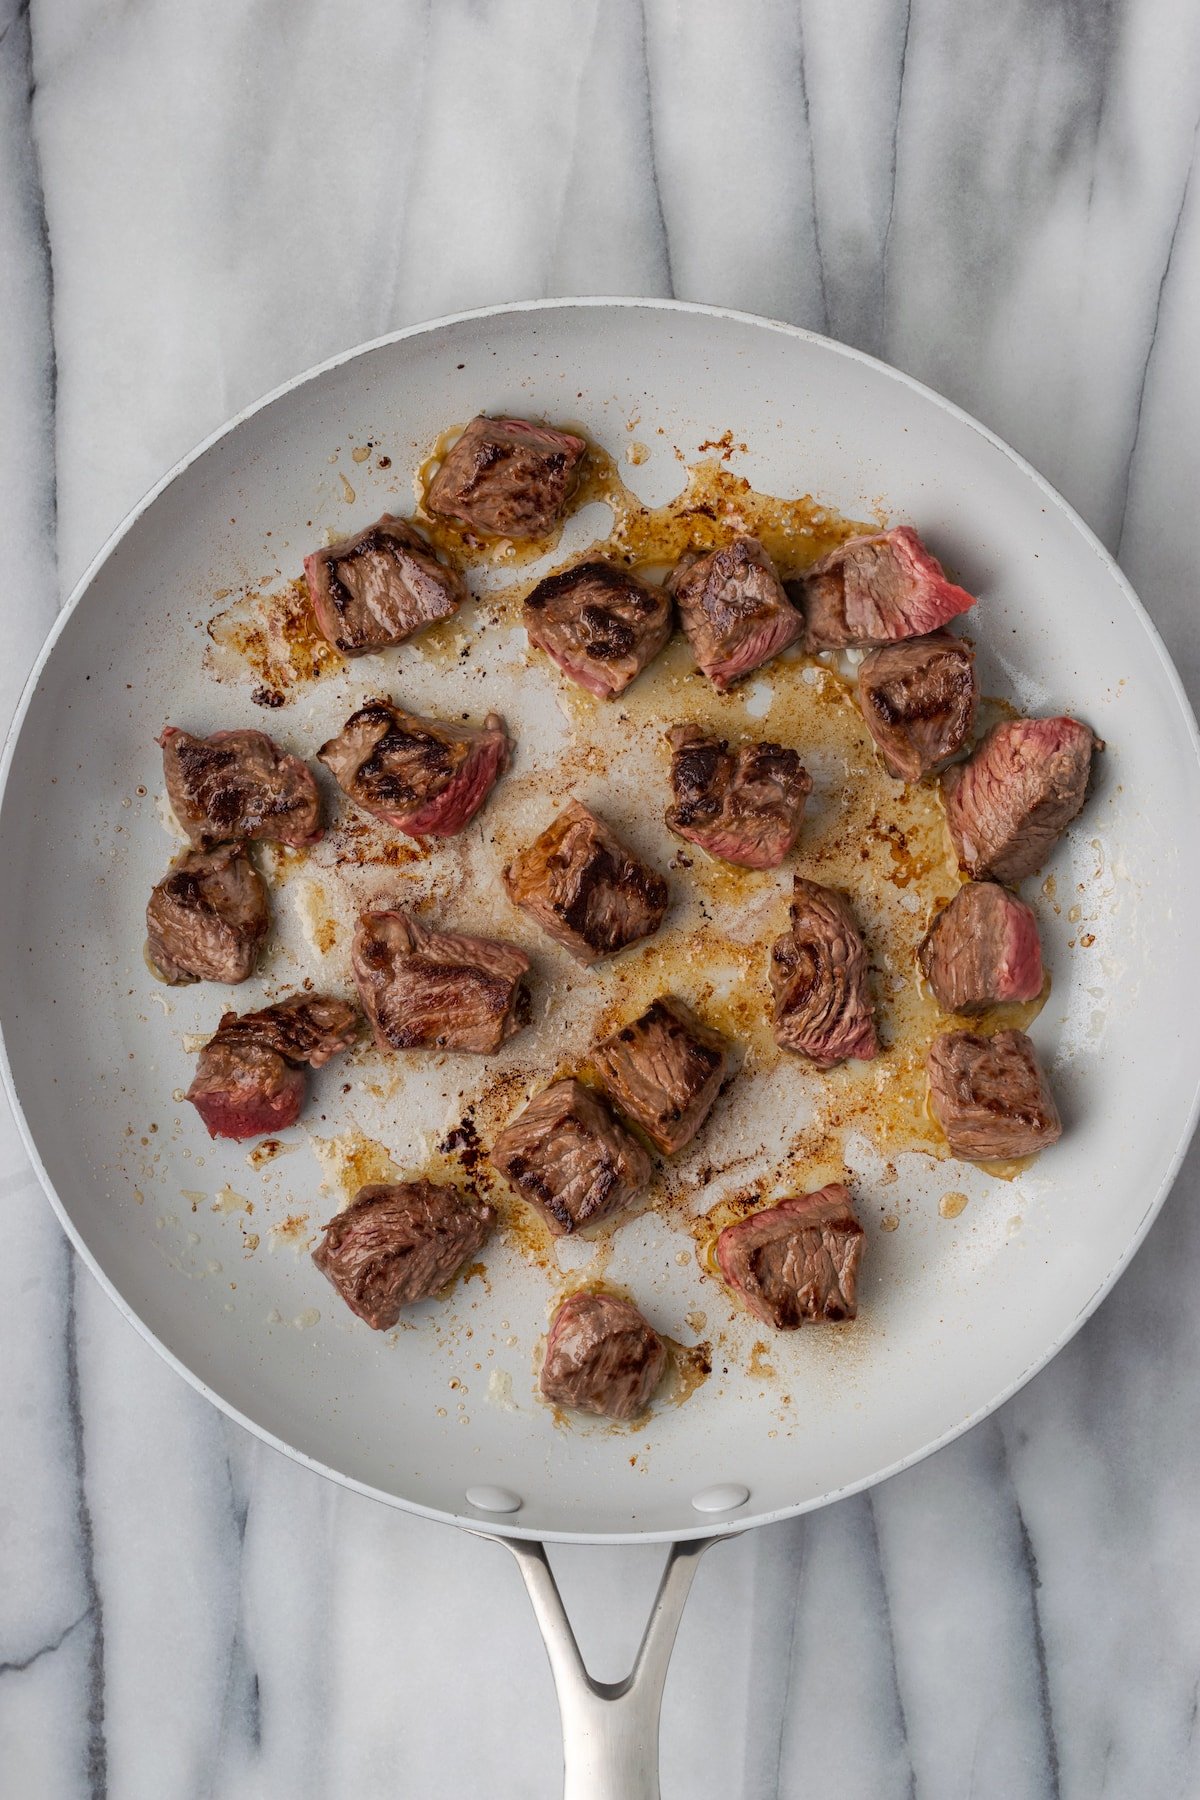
column 396, row 1244
column 1010, row 803
column 584, row 888
column 571, row 1158
column 207, row 918
column 819, row 979
column 990, row 1097
column 428, row 990
column 601, row 1357
column 507, row 478
column 250, row 1079
column 918, row 698
column 600, row 624
column 664, row 1072
column 734, row 610
column 982, row 950
column 796, row 1263
column 744, row 806
column 239, row 784
column 875, row 589
column 426, row 778
column 380, row 587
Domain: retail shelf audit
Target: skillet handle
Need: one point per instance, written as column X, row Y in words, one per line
column 610, row 1728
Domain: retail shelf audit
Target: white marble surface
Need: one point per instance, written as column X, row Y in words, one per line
column 195, row 203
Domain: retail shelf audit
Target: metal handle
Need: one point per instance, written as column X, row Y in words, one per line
column 610, row 1728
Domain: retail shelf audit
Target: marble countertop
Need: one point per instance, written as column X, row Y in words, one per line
column 196, row 203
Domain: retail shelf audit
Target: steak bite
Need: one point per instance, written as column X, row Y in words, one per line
column 585, row 888
column 664, row 1072
column 601, row 1357
column 239, row 784
column 982, row 950
column 744, row 805
column 796, row 1263
column 207, row 918
column 600, row 624
column 734, row 610
column 990, row 1097
column 568, row 1156
column 875, row 589
column 918, row 698
column 507, row 478
column 380, row 587
column 428, row 990
column 426, row 778
column 399, row 1243
column 250, row 1079
column 819, row 979
column 1010, row 803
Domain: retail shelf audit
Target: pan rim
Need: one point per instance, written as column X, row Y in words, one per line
column 479, row 1523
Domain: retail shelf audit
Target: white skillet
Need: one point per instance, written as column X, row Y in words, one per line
column 957, row 1318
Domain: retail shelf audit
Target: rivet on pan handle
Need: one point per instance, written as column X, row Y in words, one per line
column 610, row 1728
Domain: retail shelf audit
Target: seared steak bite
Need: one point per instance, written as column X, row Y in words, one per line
column 600, row 624
column 875, row 589
column 571, row 1158
column 990, row 1097
column 734, row 610
column 585, row 888
column 399, row 1243
column 796, row 1263
column 1010, row 803
column 428, row 990
column 380, row 586
column 819, row 979
column 743, row 805
column 664, row 1072
column 239, row 784
column 250, row 1079
column 601, row 1357
column 918, row 698
column 982, row 950
column 207, row 918
column 507, row 478
column 422, row 776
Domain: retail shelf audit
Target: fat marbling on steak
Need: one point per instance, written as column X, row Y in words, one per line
column 1009, row 804
column 982, row 950
column 569, row 1157
column 239, row 784
column 743, row 805
column 435, row 990
column 507, row 478
column 875, row 589
column 796, row 1263
column 380, row 587
column 990, row 1097
column 207, row 917
column 733, row 609
column 584, row 888
column 423, row 776
column 664, row 1072
column 601, row 1357
column 251, row 1075
column 918, row 698
column 599, row 623
column 819, row 978
column 398, row 1243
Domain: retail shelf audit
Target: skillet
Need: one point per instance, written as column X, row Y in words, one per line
column 439, row 1417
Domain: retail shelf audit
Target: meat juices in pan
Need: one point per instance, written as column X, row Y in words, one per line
column 251, row 1076
column 744, row 806
column 875, row 589
column 207, row 918
column 918, row 698
column 432, row 990
column 397, row 1244
column 380, row 587
column 1009, row 804
column 507, row 478
column 664, row 1072
column 990, row 1097
column 422, row 776
column 734, row 611
column 239, row 784
column 982, row 950
column 600, row 624
column 584, row 888
column 601, row 1357
column 569, row 1157
column 796, row 1263
column 819, row 978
